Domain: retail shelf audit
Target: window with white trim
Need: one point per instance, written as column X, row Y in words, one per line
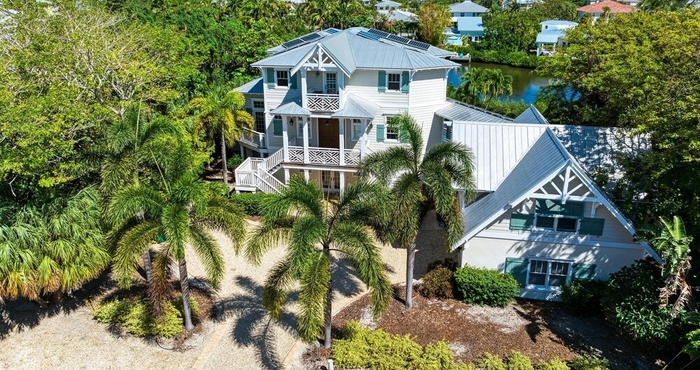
column 259, row 115
column 393, row 81
column 548, row 273
column 282, row 78
column 300, row 127
column 356, row 130
column 392, row 129
column 557, row 223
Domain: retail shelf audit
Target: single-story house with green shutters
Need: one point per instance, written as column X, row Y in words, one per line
column 538, row 214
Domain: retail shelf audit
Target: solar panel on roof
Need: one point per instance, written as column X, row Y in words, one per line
column 332, row 30
column 419, row 45
column 379, row 33
column 368, row 35
column 293, row 43
column 311, row 37
column 399, row 39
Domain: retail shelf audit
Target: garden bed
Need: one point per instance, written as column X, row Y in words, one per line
column 540, row 330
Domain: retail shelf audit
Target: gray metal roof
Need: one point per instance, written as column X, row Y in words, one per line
column 549, row 36
column 455, row 110
column 470, row 24
column 351, row 51
column 531, row 115
column 388, row 3
column 401, row 15
column 555, row 22
column 252, row 87
column 291, row 109
column 467, row 7
column 356, row 107
column 543, row 161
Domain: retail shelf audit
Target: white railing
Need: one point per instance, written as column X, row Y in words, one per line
column 253, row 138
column 245, row 175
column 273, row 161
column 268, row 183
column 252, row 174
column 296, row 154
column 351, row 157
column 322, row 102
column 324, row 156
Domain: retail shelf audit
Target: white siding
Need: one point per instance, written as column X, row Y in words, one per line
column 363, row 84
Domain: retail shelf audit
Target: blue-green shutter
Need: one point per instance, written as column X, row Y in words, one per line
column 591, row 226
column 404, row 82
column 380, row 133
column 381, row 81
column 444, row 134
column 574, row 209
column 521, row 221
column 293, row 82
column 554, row 207
column 583, row 271
column 271, row 78
column 518, row 268
column 277, row 126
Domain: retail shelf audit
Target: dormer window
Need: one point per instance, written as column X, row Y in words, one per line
column 282, row 78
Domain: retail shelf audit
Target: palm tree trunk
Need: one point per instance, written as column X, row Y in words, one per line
column 147, row 265
column 223, row 159
column 410, row 264
column 329, row 300
column 185, row 287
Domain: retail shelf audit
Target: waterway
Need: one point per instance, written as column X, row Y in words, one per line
column 526, row 83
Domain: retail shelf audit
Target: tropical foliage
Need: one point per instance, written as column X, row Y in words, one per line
column 317, row 231
column 433, row 18
column 482, row 85
column 420, row 176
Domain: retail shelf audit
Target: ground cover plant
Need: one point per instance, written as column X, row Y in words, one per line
column 138, row 318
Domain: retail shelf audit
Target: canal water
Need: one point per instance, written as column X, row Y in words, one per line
column 526, row 83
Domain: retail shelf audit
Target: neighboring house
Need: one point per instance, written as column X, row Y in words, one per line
column 538, row 213
column 393, row 12
column 598, row 9
column 383, row 7
column 466, row 23
column 523, row 4
column 324, row 100
column 552, row 35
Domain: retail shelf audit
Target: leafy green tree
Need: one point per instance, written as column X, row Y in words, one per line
column 482, row 85
column 666, row 5
column 221, row 114
column 52, row 249
column 316, row 231
column 511, row 29
column 433, row 18
column 556, row 9
column 182, row 210
column 419, row 179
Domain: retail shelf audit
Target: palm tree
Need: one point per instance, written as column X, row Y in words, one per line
column 673, row 244
column 183, row 210
column 315, row 231
column 52, row 249
column 419, row 179
column 132, row 144
column 221, row 114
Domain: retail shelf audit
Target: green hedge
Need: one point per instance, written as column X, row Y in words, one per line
column 515, row 58
column 582, row 297
column 253, row 203
column 486, row 287
column 137, row 317
column 438, row 282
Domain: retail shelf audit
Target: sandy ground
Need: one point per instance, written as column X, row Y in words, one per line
column 245, row 338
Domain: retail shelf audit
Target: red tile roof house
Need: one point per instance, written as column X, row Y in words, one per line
column 598, row 9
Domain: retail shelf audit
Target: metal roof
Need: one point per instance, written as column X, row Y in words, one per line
column 470, row 24
column 556, row 22
column 350, row 52
column 531, row 115
column 291, row 109
column 455, row 110
column 543, row 161
column 388, row 3
column 356, row 107
column 397, row 15
column 252, row 87
column 467, row 7
column 550, row 36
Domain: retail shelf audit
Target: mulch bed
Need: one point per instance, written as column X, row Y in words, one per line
column 540, row 330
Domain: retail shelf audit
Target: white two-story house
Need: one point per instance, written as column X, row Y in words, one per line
column 324, row 100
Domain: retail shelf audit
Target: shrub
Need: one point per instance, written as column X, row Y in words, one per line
column 582, row 297
column 438, row 283
column 362, row 348
column 553, row 364
column 486, row 287
column 137, row 317
column 589, row 363
column 233, row 162
column 491, row 362
column 252, row 203
column 630, row 303
column 518, row 361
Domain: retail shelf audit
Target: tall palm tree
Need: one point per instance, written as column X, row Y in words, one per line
column 183, row 210
column 221, row 114
column 418, row 180
column 132, row 144
column 673, row 244
column 52, row 249
column 316, row 231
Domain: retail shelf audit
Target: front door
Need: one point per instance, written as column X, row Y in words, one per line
column 328, row 133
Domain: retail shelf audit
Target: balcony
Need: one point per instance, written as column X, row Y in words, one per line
column 324, row 156
column 253, row 138
column 322, row 102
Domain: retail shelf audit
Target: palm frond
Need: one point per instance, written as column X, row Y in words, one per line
column 456, row 158
column 438, row 185
column 370, row 203
column 266, row 236
column 412, row 134
column 408, row 203
column 131, row 246
column 315, row 283
column 224, row 215
column 307, row 232
column 386, row 164
column 160, row 289
column 175, row 223
column 276, row 288
column 209, row 253
column 300, row 196
column 132, row 201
